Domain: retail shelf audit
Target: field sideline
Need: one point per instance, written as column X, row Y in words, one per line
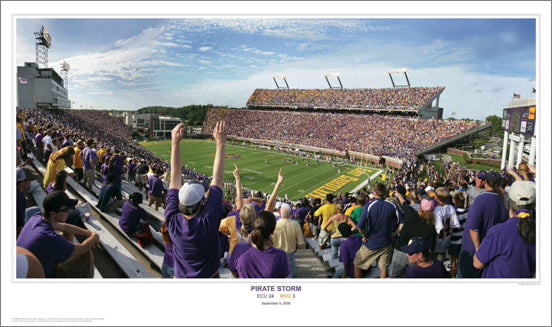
column 301, row 180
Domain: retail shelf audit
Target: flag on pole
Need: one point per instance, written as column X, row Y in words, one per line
column 516, row 96
column 534, row 90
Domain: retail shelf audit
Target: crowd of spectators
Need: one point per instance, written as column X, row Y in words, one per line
column 396, row 99
column 377, row 225
column 374, row 134
column 107, row 133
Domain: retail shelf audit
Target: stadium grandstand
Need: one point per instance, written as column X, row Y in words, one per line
column 409, row 101
column 364, row 123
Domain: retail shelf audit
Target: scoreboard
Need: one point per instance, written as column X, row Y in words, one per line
column 519, row 120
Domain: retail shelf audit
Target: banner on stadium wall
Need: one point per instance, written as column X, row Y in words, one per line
column 527, row 125
column 519, row 120
column 506, row 119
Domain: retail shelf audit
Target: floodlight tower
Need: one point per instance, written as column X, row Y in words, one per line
column 398, row 71
column 283, row 77
column 337, row 76
column 43, row 41
column 65, row 74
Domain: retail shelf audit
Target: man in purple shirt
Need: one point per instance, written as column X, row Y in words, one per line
column 59, row 256
column 192, row 220
column 155, row 187
column 486, row 211
column 508, row 250
column 89, row 161
column 379, row 217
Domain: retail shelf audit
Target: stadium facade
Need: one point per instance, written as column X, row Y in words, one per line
column 151, row 125
column 40, row 88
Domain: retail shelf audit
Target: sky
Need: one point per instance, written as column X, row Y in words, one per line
column 128, row 63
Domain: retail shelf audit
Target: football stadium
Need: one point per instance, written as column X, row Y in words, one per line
column 300, row 183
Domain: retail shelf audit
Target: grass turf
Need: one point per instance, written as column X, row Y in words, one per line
column 300, row 181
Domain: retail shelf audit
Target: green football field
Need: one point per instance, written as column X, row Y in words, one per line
column 301, row 180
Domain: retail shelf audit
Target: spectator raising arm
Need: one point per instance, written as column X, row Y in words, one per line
column 219, row 133
column 270, row 205
column 239, row 193
column 176, row 162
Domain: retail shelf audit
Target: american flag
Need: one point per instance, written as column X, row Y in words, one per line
column 22, row 80
column 516, row 96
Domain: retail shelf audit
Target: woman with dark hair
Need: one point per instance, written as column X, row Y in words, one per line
column 418, row 253
column 247, row 226
column 262, row 260
column 132, row 216
column 59, row 184
column 58, row 160
column 509, row 250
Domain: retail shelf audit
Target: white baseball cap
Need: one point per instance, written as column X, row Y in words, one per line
column 191, row 193
column 522, row 193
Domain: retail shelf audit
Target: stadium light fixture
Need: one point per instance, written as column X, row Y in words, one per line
column 337, row 76
column 43, row 42
column 399, row 71
column 282, row 77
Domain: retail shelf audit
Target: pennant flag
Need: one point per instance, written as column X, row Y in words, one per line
column 534, row 90
column 516, row 96
column 22, row 80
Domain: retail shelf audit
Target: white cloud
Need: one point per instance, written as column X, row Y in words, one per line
column 204, row 48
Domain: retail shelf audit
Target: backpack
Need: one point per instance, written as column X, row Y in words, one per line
column 144, row 236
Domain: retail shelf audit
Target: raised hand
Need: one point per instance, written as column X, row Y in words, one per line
column 220, row 131
column 177, row 133
column 280, row 176
column 236, row 172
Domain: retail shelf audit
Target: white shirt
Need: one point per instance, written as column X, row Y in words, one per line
column 445, row 220
column 48, row 140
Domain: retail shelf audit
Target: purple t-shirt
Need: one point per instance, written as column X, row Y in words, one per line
column 89, row 155
column 38, row 139
column 436, row 270
column 50, row 188
column 130, row 217
column 49, row 247
column 239, row 249
column 382, row 217
column 301, row 213
column 119, row 161
column 155, row 186
column 196, row 242
column 258, row 206
column 168, row 257
column 505, row 254
column 270, row 263
column 237, row 219
column 486, row 211
column 348, row 250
